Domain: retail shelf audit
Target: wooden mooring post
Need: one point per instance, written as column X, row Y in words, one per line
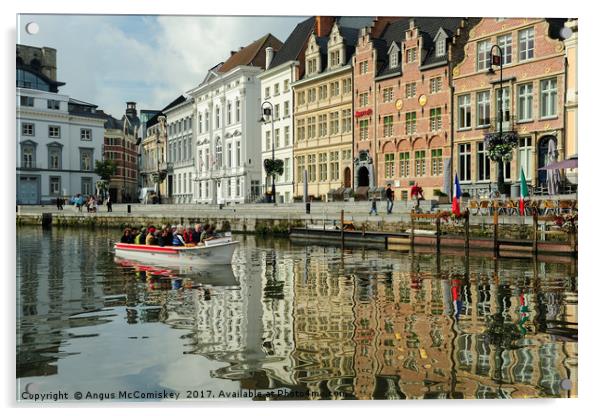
column 466, row 230
column 412, row 225
column 496, row 247
column 535, row 232
column 343, row 227
column 438, row 233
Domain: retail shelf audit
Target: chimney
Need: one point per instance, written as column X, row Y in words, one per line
column 322, row 25
column 269, row 55
column 130, row 109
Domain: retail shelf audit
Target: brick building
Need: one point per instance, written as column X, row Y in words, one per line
column 402, row 103
column 532, row 94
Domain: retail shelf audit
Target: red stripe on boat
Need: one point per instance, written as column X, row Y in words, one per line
column 136, row 247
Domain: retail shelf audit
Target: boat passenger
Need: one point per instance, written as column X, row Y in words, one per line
column 166, row 237
column 141, row 237
column 205, row 233
column 188, row 235
column 196, row 234
column 158, row 239
column 127, row 236
column 150, row 237
column 178, row 240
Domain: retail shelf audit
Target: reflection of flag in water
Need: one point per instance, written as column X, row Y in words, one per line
column 457, row 297
column 456, row 197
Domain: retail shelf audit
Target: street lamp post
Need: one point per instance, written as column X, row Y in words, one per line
column 269, row 112
column 497, row 60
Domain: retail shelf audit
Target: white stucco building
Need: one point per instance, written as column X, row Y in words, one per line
column 227, row 110
column 58, row 138
column 181, row 133
column 282, row 69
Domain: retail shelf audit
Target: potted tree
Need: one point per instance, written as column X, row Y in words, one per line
column 441, row 196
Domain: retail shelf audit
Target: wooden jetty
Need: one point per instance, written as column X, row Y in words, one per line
column 436, row 241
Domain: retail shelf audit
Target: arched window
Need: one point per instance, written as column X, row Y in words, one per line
column 218, row 152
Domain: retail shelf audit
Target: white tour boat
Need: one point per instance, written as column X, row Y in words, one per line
column 215, row 251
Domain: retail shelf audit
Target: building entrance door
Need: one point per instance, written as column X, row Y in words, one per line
column 347, row 177
column 28, row 190
column 363, row 177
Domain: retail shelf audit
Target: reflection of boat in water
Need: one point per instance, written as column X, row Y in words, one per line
column 218, row 275
column 216, row 251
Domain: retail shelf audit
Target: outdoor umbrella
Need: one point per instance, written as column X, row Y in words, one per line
column 553, row 175
column 563, row 164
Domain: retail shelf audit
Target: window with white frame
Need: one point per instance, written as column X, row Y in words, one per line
column 525, row 152
column 286, row 109
column 334, row 122
column 266, row 93
column 525, row 102
column 548, row 97
column 363, row 99
column 238, row 110
column 277, row 138
column 464, row 164
column 238, row 154
column 277, row 112
column 464, row 112
column 334, row 166
column 440, row 46
column 218, row 153
column 483, row 109
column 436, row 122
column 229, row 155
column 505, row 102
column 388, row 126
column 394, row 59
column 364, row 129
column 347, row 85
column 334, row 89
column 526, row 44
column 54, row 157
column 287, row 136
column 363, row 67
column 388, row 94
column 206, row 121
column 420, row 163
column 217, row 118
column 483, row 163
column 54, row 132
column 229, row 113
column 268, row 140
column 404, row 164
column 276, row 89
column 436, row 162
column 322, row 92
column 410, row 89
column 287, row 169
column 55, row 185
column 411, row 55
column 435, row 85
column 286, row 85
column 483, row 58
column 53, row 104
column 389, row 165
column 505, row 44
column 335, row 58
column 27, row 129
column 26, row 101
column 322, row 125
column 346, row 121
column 300, row 129
column 322, row 167
column 410, row 127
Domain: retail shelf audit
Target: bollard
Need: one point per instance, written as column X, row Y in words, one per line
column 46, row 219
column 129, row 209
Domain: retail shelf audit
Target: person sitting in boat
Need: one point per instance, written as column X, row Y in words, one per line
column 178, row 239
column 150, row 236
column 141, row 237
column 166, row 237
column 158, row 238
column 205, row 234
column 127, row 236
column 133, row 235
column 196, row 234
column 188, row 235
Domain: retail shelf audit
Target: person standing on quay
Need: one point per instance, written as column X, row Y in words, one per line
column 109, row 204
column 373, row 209
column 389, row 194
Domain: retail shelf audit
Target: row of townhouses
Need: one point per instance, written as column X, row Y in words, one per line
column 357, row 103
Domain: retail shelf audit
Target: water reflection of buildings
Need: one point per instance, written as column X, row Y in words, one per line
column 52, row 297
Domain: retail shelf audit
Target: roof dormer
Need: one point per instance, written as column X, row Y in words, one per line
column 440, row 43
column 393, row 53
column 313, row 64
column 336, row 48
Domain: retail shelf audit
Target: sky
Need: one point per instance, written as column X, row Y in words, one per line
column 110, row 59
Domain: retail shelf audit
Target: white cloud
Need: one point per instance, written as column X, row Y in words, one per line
column 109, row 60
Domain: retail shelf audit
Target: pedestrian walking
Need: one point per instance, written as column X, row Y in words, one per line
column 373, row 209
column 109, row 204
column 390, row 197
column 416, row 191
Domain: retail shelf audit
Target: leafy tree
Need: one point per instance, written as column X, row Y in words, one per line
column 105, row 169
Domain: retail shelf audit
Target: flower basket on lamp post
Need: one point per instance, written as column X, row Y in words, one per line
column 499, row 149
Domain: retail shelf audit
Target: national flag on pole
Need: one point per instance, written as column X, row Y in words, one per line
column 456, row 197
column 524, row 192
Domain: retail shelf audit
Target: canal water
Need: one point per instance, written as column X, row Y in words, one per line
column 289, row 322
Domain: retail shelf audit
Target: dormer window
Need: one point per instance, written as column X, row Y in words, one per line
column 394, row 59
column 411, row 54
column 440, row 46
column 335, row 58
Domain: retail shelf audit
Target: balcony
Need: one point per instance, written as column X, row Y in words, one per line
column 29, row 165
